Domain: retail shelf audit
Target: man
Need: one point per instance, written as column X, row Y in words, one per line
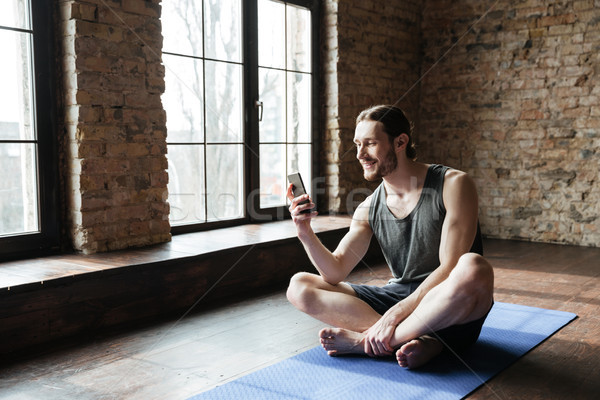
column 425, row 219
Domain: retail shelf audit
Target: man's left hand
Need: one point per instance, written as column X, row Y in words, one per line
column 378, row 337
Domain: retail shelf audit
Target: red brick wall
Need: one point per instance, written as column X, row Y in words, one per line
column 516, row 103
column 114, row 144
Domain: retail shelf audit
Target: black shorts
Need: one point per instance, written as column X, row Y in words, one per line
column 381, row 299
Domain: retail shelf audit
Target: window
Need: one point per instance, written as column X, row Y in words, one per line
column 239, row 100
column 285, row 82
column 27, row 139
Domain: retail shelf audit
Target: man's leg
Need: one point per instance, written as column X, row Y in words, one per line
column 335, row 305
column 466, row 295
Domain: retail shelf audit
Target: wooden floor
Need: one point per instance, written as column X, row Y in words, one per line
column 179, row 358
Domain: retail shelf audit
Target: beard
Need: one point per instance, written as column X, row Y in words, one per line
column 383, row 168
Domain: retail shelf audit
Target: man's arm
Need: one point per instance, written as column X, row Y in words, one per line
column 458, row 233
column 334, row 266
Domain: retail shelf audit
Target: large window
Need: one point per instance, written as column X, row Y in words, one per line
column 239, row 100
column 27, row 143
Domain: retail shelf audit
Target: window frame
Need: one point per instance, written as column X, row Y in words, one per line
column 251, row 179
column 48, row 237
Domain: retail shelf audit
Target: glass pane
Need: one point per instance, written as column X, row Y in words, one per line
column 14, row 13
column 298, row 39
column 271, row 34
column 16, row 101
column 272, row 94
column 182, row 99
column 224, row 181
column 223, row 29
column 186, row 184
column 223, row 102
column 18, row 189
column 299, row 115
column 182, row 27
column 273, row 183
column 299, row 160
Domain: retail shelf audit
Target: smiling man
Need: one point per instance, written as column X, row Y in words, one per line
column 425, row 218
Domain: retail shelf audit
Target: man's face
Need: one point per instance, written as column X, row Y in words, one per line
column 374, row 150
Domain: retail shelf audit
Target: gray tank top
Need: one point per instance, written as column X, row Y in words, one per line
column 411, row 245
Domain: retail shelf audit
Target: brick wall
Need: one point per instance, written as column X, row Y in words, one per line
column 516, row 103
column 370, row 55
column 509, row 94
column 114, row 145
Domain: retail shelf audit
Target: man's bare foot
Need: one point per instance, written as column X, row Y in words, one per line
column 418, row 352
column 339, row 341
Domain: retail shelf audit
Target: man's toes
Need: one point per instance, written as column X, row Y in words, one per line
column 326, row 333
column 401, row 358
column 406, row 354
column 418, row 352
column 327, row 345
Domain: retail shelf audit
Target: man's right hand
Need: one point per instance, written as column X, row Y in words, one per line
column 302, row 220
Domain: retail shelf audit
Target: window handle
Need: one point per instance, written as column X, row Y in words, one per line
column 259, row 105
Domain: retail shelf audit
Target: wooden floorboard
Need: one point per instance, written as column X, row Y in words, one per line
column 178, row 358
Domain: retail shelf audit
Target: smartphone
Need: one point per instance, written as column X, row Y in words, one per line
column 298, row 189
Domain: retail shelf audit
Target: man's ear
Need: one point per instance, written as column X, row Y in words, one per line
column 401, row 141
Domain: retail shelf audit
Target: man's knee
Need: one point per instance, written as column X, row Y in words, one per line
column 474, row 271
column 301, row 287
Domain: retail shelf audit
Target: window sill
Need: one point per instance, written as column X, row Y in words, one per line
column 29, row 273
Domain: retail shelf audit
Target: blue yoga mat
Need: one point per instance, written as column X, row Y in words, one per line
column 509, row 332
